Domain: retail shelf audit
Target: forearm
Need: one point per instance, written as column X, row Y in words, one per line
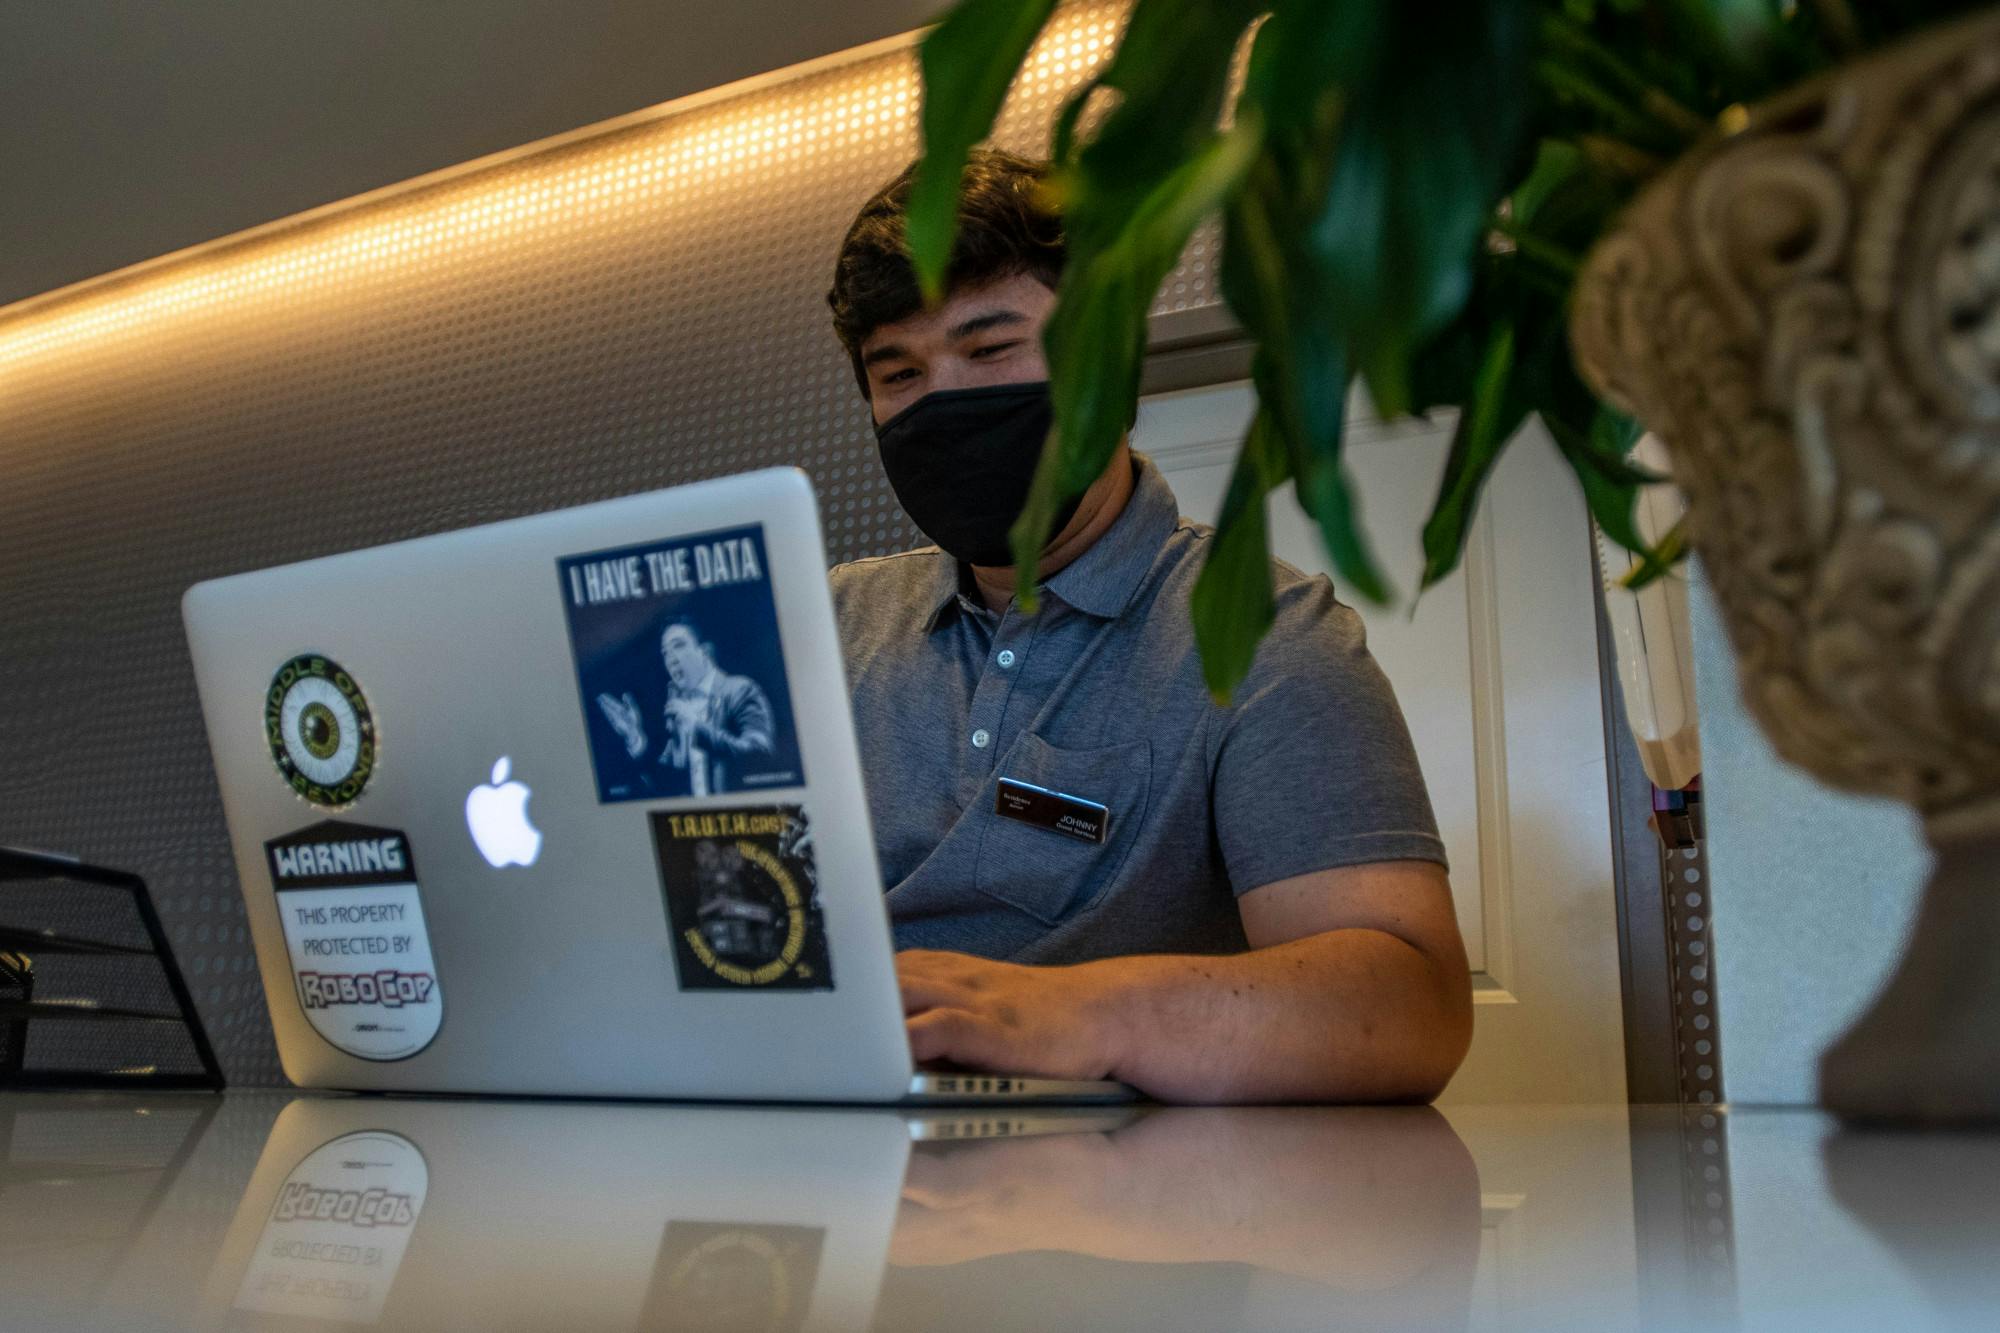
column 1348, row 1015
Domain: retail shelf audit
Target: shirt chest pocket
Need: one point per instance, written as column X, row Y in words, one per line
column 1049, row 874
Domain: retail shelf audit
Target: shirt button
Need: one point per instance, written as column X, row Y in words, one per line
column 1006, row 658
column 981, row 739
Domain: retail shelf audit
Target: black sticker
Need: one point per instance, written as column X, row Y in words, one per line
column 1052, row 810
column 354, row 930
column 679, row 666
column 321, row 731
column 742, row 895
column 733, row 1275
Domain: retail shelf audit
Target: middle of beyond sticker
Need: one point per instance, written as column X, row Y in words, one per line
column 679, row 667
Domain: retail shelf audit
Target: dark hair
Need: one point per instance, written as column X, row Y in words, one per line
column 682, row 622
column 1005, row 228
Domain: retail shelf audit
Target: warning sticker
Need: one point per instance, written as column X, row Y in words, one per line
column 336, row 1236
column 742, row 895
column 354, row 926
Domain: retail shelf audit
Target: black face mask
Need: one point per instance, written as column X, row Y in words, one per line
column 961, row 460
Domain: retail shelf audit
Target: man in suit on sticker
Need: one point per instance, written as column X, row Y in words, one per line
column 712, row 719
column 1093, row 868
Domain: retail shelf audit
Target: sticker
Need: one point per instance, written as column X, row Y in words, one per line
column 733, row 1275
column 354, row 925
column 679, row 667
column 742, row 896
column 321, row 731
column 335, row 1239
column 1052, row 810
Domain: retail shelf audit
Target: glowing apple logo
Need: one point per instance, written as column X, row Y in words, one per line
column 498, row 818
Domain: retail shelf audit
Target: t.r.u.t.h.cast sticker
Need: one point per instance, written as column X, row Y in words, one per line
column 742, row 898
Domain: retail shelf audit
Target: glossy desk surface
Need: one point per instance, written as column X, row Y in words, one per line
column 264, row 1210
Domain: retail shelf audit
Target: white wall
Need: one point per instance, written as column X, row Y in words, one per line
column 130, row 128
column 1813, row 890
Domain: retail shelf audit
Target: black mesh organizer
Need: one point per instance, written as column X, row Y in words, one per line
column 90, row 996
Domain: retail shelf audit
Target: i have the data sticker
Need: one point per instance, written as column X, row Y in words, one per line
column 354, row 927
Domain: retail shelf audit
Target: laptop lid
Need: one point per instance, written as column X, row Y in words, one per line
column 421, row 1214
column 567, row 804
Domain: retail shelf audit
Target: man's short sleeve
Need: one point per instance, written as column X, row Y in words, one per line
column 1312, row 766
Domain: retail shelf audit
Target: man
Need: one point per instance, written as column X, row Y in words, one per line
column 1222, row 904
column 712, row 718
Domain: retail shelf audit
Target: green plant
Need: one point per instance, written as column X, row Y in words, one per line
column 1406, row 188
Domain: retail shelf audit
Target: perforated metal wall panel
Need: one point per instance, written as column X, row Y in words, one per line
column 633, row 307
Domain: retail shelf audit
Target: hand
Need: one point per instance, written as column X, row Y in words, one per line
column 971, row 1200
column 625, row 718
column 689, row 715
column 1381, row 1203
column 1050, row 1022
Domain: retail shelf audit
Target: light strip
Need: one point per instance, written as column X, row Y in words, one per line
column 378, row 235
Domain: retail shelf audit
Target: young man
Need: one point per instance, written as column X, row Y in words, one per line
column 1219, row 904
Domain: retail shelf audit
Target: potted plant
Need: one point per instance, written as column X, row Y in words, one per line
column 1767, row 230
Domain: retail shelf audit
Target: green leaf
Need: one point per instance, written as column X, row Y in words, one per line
column 1154, row 168
column 1169, row 77
column 1330, row 498
column 1608, row 74
column 1445, row 373
column 968, row 63
column 1610, row 484
column 1660, row 561
column 1232, row 605
column 1308, row 54
column 1062, row 141
column 1556, row 162
column 1095, row 339
column 1300, row 368
column 1426, row 141
column 1745, row 42
column 1568, row 198
column 1488, row 422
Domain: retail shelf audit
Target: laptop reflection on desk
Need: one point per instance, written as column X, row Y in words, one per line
column 422, row 1214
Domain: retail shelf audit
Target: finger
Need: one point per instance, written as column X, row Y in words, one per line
column 965, row 970
column 949, row 1179
column 930, row 992
column 958, row 1036
column 926, row 1239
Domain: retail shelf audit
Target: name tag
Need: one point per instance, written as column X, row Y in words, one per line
column 1086, row 820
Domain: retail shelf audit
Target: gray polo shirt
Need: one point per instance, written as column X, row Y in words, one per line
column 1100, row 695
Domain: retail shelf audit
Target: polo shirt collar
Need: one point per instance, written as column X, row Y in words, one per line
column 1101, row 581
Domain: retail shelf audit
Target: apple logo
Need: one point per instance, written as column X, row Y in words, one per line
column 498, row 818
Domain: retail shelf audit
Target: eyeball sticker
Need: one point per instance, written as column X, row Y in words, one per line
column 321, row 731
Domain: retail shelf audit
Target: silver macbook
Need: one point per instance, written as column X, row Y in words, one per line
column 534, row 1215
column 565, row 805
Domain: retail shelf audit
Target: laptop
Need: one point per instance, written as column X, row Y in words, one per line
column 422, row 1213
column 567, row 805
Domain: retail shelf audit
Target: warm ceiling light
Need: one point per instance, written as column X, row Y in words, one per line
column 390, row 231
